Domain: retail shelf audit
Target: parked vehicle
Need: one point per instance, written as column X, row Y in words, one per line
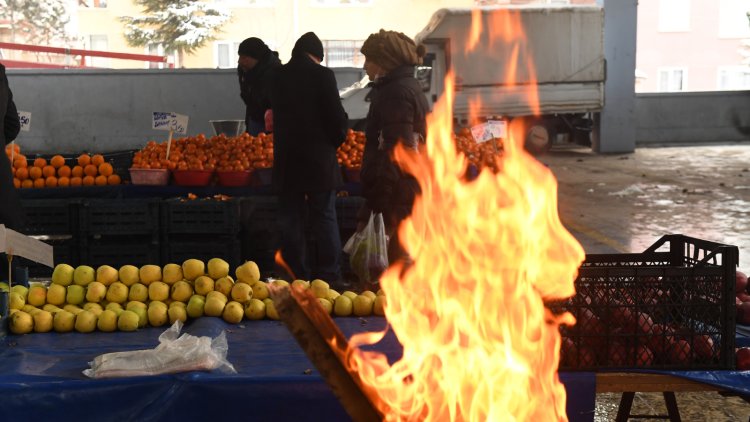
column 561, row 59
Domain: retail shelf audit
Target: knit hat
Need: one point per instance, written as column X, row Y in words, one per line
column 253, row 47
column 391, row 49
column 309, row 43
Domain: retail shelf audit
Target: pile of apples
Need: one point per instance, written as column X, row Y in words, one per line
column 221, row 153
column 85, row 170
column 108, row 299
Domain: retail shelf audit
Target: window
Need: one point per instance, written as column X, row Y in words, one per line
column 733, row 19
column 341, row 3
column 225, row 54
column 158, row 50
column 98, row 43
column 672, row 79
column 343, row 53
column 246, row 3
column 674, row 15
column 733, row 78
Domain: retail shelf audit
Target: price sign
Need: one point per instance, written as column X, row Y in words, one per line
column 25, row 118
column 170, row 121
column 179, row 123
column 498, row 128
column 481, row 133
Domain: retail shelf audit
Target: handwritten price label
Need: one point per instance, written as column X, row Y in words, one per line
column 174, row 122
column 25, row 118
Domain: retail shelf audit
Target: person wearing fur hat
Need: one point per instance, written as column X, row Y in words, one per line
column 309, row 125
column 255, row 68
column 397, row 115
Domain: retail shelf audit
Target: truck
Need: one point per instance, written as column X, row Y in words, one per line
column 561, row 57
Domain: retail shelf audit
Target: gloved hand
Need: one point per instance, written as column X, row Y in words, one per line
column 268, row 118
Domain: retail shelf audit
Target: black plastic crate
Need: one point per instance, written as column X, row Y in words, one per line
column 202, row 216
column 260, row 214
column 50, row 216
column 120, row 250
column 177, row 249
column 64, row 251
column 120, row 217
column 347, row 208
column 670, row 307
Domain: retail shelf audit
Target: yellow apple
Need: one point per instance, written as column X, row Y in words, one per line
column 63, row 274
column 85, row 322
column 233, row 312
column 193, row 268
column 117, row 292
column 342, row 306
column 107, row 321
column 171, row 273
column 73, row 309
column 128, row 321
column 255, row 309
column 242, row 292
column 94, row 308
column 37, row 295
column 177, row 313
column 63, row 321
column 214, row 306
column 56, row 294
column 76, row 294
column 224, row 285
column 157, row 315
column 260, row 290
column 149, row 273
column 247, row 273
column 129, row 275
column 96, row 292
column 271, row 312
column 217, row 295
column 378, row 307
column 319, row 288
column 21, row 323
column 181, row 291
column 158, row 290
column 43, row 322
column 203, row 284
column 16, row 301
column 217, row 268
column 300, row 284
column 83, row 275
column 139, row 292
column 326, row 304
column 107, row 275
column 362, row 305
column 332, row 295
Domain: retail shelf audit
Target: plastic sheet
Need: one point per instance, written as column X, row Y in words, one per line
column 175, row 353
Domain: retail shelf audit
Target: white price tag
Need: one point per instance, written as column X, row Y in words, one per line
column 498, row 128
column 179, row 123
column 481, row 133
column 174, row 122
column 25, row 118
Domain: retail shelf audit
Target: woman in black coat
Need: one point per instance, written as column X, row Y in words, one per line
column 309, row 125
column 397, row 115
column 255, row 68
column 10, row 206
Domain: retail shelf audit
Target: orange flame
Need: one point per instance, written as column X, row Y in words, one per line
column 280, row 262
column 478, row 342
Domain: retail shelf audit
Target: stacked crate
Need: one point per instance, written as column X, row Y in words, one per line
column 118, row 232
column 261, row 234
column 55, row 222
column 202, row 229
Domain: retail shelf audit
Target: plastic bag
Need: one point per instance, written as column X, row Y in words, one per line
column 174, row 353
column 368, row 250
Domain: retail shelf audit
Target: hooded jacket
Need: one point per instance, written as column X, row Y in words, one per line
column 255, row 86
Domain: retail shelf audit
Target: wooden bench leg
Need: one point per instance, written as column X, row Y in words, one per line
column 672, row 410
column 626, row 403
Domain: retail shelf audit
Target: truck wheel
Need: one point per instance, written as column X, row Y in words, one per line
column 540, row 135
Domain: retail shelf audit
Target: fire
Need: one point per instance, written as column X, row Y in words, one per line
column 478, row 342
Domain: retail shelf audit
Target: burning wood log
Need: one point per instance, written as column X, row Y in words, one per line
column 327, row 348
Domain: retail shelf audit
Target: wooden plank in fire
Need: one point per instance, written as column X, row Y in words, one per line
column 327, row 348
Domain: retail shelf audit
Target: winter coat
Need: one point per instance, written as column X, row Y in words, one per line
column 309, row 125
column 397, row 114
column 255, row 87
column 10, row 205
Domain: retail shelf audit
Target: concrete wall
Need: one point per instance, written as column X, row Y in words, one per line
column 695, row 117
column 110, row 110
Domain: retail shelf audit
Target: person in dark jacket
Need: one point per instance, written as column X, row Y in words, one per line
column 309, row 125
column 255, row 68
column 397, row 115
column 10, row 205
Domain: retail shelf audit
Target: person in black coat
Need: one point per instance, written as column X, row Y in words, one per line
column 397, row 115
column 309, row 125
column 10, row 206
column 255, row 68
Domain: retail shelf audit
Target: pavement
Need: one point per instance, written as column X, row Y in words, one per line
column 618, row 203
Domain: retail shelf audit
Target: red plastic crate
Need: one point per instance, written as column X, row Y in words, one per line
column 192, row 177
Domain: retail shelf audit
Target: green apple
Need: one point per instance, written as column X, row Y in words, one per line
column 128, row 321
column 76, row 294
column 171, row 273
column 63, row 274
column 142, row 315
column 83, row 275
column 233, row 312
column 181, row 291
column 255, row 309
column 217, row 268
column 195, row 306
column 117, row 292
column 203, row 284
column 21, row 290
column 114, row 307
column 193, row 268
column 96, row 292
column 107, row 275
column 56, row 294
column 247, row 273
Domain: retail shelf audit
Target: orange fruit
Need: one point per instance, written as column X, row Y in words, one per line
column 48, row 171
column 76, row 181
column 14, row 147
column 97, row 159
column 63, row 171
column 51, row 182
column 100, row 180
column 39, row 183
column 22, row 173
column 84, row 159
column 113, row 179
column 16, row 183
column 35, row 173
column 40, row 162
column 57, row 161
column 88, row 181
column 63, row 181
column 20, row 161
column 77, row 171
column 90, row 170
column 28, row 183
column 105, row 169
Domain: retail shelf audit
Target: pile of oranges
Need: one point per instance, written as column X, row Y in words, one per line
column 87, row 170
column 481, row 155
column 221, row 153
column 350, row 152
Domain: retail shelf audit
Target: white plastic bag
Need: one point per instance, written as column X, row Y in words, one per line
column 174, row 353
column 368, row 249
